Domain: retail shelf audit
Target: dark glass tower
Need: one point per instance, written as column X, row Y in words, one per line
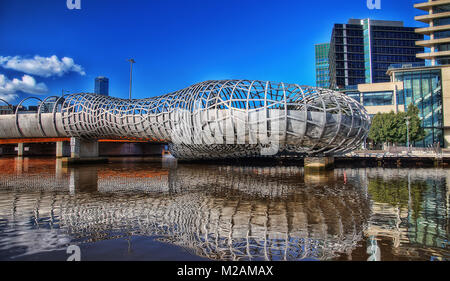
column 322, row 65
column 361, row 51
column 102, row 86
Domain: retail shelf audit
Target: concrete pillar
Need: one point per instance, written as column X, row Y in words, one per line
column 83, row 149
column 19, row 149
column 83, row 152
column 61, row 170
column 74, row 148
column 324, row 177
column 83, row 179
column 319, row 163
column 59, row 149
column 18, row 161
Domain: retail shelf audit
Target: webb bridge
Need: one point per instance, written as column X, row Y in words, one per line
column 208, row 120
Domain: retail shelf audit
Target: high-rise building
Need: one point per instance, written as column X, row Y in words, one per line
column 437, row 32
column 322, row 65
column 361, row 51
column 425, row 86
column 102, row 86
column 414, row 82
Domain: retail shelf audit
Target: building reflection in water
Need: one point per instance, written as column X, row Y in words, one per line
column 226, row 212
column 410, row 211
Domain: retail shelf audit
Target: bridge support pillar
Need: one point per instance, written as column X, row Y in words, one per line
column 59, row 149
column 20, row 149
column 83, row 179
column 83, row 149
column 319, row 163
column 83, row 152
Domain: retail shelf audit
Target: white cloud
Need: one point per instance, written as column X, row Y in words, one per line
column 9, row 88
column 41, row 66
column 8, row 97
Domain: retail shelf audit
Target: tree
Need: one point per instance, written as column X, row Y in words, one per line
column 391, row 127
column 416, row 131
column 382, row 124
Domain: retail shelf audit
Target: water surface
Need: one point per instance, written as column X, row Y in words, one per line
column 130, row 210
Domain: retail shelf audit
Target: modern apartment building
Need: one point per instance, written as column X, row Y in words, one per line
column 362, row 50
column 437, row 31
column 322, row 65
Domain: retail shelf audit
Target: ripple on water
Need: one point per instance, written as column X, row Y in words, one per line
column 222, row 212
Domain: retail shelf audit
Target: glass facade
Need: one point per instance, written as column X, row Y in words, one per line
column 353, row 93
column 423, row 88
column 346, row 56
column 392, row 45
column 378, row 98
column 442, row 21
column 102, row 86
column 441, row 8
column 367, row 51
column 322, row 65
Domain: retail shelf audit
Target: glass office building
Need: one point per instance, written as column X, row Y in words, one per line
column 423, row 88
column 102, row 86
column 322, row 65
column 362, row 50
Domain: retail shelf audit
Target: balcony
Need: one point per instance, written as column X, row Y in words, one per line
column 432, row 29
column 432, row 42
column 425, row 6
column 429, row 17
column 407, row 65
column 432, row 55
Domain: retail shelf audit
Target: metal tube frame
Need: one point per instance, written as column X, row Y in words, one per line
column 311, row 121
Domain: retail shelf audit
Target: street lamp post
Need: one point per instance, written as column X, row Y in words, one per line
column 407, row 131
column 131, row 73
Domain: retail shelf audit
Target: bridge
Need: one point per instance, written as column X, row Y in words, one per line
column 209, row 120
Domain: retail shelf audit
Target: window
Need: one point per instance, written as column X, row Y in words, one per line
column 441, row 9
column 441, row 34
column 354, row 95
column 443, row 21
column 377, row 98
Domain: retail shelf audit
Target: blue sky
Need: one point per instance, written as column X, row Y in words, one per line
column 175, row 43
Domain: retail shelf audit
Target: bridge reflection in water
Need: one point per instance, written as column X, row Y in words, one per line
column 216, row 212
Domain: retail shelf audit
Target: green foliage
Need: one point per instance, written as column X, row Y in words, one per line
column 391, row 127
column 396, row 193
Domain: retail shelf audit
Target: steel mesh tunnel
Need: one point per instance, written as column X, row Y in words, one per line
column 217, row 119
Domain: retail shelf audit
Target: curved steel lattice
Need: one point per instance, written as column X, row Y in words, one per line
column 224, row 118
